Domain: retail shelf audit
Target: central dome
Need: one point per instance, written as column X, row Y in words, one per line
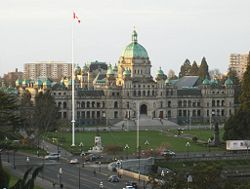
column 134, row 49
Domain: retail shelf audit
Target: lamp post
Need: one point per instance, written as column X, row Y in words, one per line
column 126, row 148
column 60, row 172
column 27, row 162
column 7, row 145
column 81, row 145
column 189, row 180
column 208, row 144
column 14, row 159
column 79, row 173
column 100, row 164
column 101, row 185
column 188, row 146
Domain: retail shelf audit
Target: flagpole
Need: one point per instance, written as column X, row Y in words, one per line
column 73, row 85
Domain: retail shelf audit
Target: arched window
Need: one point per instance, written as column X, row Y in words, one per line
column 88, row 104
column 59, row 104
column 83, row 104
column 64, row 105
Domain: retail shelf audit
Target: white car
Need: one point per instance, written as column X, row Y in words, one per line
column 53, row 156
column 74, row 161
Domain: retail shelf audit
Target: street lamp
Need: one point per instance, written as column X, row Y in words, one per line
column 14, row 158
column 209, row 143
column 189, row 180
column 7, row 145
column 27, row 161
column 100, row 163
column 188, row 146
column 101, row 185
column 79, row 173
column 126, row 148
column 81, row 145
column 60, row 172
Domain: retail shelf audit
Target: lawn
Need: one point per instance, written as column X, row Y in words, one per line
column 155, row 139
column 203, row 134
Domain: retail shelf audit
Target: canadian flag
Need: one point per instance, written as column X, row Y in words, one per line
column 76, row 17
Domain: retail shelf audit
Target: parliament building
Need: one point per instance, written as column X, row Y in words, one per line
column 107, row 95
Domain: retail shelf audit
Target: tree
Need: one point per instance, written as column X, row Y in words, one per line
column 194, row 69
column 237, row 126
column 27, row 112
column 9, row 115
column 203, row 69
column 185, row 69
column 206, row 176
column 45, row 113
column 26, row 183
column 215, row 73
column 171, row 74
column 4, row 177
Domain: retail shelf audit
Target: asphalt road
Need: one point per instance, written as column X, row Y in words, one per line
column 70, row 173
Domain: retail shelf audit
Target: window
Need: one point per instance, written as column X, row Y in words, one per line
column 98, row 104
column 213, row 103
column 88, row 104
column 83, row 104
column 179, row 113
column 64, row 105
column 115, row 104
column 93, row 104
column 59, row 104
column 161, row 104
column 115, row 114
column 169, row 103
column 103, row 104
column 128, row 105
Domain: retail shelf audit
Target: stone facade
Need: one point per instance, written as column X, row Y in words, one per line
column 105, row 95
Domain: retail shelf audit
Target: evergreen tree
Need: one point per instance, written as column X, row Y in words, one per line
column 185, row 69
column 203, row 69
column 245, row 88
column 194, row 69
column 237, row 127
column 45, row 112
column 9, row 113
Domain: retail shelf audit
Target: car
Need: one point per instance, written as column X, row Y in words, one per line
column 74, row 161
column 129, row 187
column 131, row 184
column 53, row 156
column 168, row 153
column 113, row 178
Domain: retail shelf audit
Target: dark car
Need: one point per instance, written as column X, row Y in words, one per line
column 113, row 178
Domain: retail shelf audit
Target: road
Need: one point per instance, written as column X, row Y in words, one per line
column 70, row 173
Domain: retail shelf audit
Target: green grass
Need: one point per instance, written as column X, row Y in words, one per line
column 121, row 138
column 226, row 164
column 203, row 134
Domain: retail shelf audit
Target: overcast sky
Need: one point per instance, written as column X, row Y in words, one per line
column 170, row 30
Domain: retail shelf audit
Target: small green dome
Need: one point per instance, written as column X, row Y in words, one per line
column 25, row 82
column 134, row 49
column 213, row 82
column 47, row 83
column 206, row 81
column 18, row 82
column 126, row 73
column 110, row 71
column 160, row 72
column 228, row 82
column 167, row 82
column 115, row 69
column 39, row 82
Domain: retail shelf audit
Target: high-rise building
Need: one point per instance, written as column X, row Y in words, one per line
column 238, row 63
column 54, row 70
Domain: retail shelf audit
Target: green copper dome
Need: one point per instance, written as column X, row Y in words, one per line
column 206, row 81
column 213, row 82
column 39, row 82
column 229, row 82
column 110, row 71
column 47, row 83
column 18, row 82
column 134, row 49
column 126, row 73
column 160, row 72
